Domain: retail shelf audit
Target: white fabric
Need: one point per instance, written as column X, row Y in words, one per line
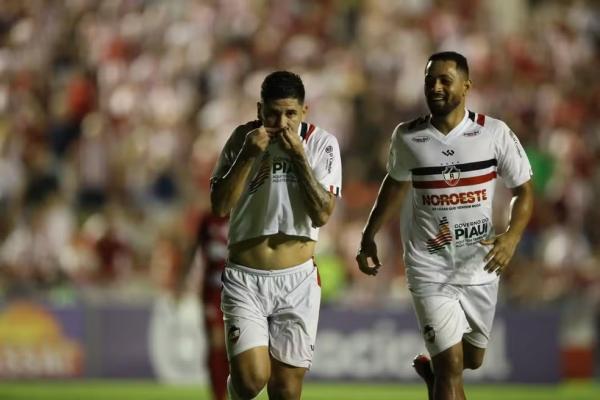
column 278, row 309
column 448, row 313
column 449, row 209
column 272, row 201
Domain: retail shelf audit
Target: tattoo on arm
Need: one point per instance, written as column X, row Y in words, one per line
column 318, row 201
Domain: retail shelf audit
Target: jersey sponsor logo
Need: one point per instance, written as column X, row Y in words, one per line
column 472, row 232
column 468, row 232
column 330, row 158
column 264, row 171
column 451, row 174
column 448, row 153
column 282, row 166
column 472, row 134
column 420, row 139
column 475, row 196
column 442, row 239
column 283, row 170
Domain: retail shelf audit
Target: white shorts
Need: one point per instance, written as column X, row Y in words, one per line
column 448, row 313
column 278, row 309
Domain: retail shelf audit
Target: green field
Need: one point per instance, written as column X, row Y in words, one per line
column 145, row 390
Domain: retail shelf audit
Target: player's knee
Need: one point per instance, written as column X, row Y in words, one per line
column 448, row 365
column 284, row 389
column 473, row 362
column 250, row 385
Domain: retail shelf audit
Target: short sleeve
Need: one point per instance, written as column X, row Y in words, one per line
column 513, row 164
column 328, row 166
column 230, row 152
column 397, row 166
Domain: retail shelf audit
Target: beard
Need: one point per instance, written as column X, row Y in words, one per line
column 442, row 108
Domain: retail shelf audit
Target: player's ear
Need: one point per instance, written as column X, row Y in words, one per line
column 467, row 85
column 304, row 111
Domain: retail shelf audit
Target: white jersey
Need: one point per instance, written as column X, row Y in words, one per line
column 450, row 206
column 272, row 200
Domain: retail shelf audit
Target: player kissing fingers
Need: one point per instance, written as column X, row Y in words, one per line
column 291, row 141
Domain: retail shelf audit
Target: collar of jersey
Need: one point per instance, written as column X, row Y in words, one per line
column 455, row 131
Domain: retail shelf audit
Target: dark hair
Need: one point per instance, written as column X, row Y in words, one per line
column 282, row 85
column 459, row 59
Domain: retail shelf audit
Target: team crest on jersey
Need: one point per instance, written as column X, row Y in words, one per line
column 451, row 175
column 429, row 333
column 234, row 334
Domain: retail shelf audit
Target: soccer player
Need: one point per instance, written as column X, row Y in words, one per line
column 278, row 177
column 447, row 163
column 211, row 246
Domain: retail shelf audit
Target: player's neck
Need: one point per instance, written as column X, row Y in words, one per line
column 445, row 123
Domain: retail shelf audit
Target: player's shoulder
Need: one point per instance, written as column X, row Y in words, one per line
column 485, row 121
column 242, row 130
column 411, row 129
column 313, row 134
column 414, row 125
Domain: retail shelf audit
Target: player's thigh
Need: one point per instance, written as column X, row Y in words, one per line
column 441, row 319
column 245, row 323
column 479, row 305
column 293, row 326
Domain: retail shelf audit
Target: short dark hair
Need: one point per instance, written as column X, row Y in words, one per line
column 282, row 85
column 459, row 59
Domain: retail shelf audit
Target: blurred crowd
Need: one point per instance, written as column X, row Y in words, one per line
column 112, row 114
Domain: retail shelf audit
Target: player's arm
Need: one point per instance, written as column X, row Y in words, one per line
column 318, row 201
column 389, row 200
column 228, row 182
column 505, row 244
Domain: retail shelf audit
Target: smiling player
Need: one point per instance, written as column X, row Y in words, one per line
column 448, row 163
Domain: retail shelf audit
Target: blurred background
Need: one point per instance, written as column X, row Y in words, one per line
column 112, row 114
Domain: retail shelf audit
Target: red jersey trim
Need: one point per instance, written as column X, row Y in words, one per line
column 481, row 119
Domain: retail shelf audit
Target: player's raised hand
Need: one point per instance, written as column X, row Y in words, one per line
column 368, row 249
column 503, row 249
column 257, row 139
column 291, row 141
